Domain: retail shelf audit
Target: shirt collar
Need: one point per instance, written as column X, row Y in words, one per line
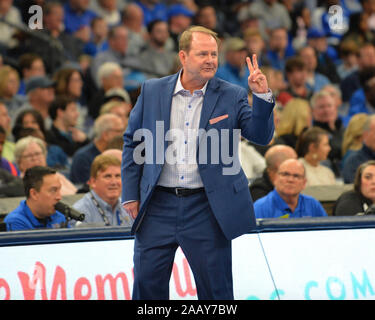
column 281, row 204
column 34, row 221
column 180, row 89
column 104, row 204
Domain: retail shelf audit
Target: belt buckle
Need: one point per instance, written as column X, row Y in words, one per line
column 177, row 192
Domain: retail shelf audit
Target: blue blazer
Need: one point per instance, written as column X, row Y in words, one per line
column 228, row 195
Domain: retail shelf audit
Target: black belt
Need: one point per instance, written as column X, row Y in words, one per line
column 180, row 192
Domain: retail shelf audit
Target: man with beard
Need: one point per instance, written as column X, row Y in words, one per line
column 156, row 57
column 286, row 200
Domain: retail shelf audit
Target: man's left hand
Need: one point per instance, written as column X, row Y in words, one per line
column 257, row 80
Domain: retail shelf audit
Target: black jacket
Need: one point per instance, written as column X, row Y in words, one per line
column 54, row 136
column 350, row 203
column 260, row 187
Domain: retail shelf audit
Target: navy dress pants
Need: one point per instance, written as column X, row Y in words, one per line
column 171, row 221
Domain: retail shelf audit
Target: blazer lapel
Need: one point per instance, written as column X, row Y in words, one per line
column 166, row 95
column 209, row 102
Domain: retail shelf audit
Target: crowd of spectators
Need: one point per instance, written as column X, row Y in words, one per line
column 71, row 84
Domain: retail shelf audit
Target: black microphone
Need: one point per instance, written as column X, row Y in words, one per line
column 69, row 212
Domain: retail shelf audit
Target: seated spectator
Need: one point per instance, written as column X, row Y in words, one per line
column 60, row 46
column 301, row 23
column 30, row 65
column 99, row 37
column 106, row 127
column 313, row 148
column 363, row 99
column 342, row 108
column 4, row 163
column 110, row 76
column 152, row 10
column 286, row 200
column 30, row 122
column 76, row 15
column 359, row 29
column 179, row 19
column 133, row 20
column 326, row 54
column 108, row 10
column 325, row 116
column 272, row 13
column 206, row 16
column 296, row 75
column 278, row 49
column 348, row 51
column 5, row 122
column 43, row 190
column 366, row 59
column 255, row 44
column 119, row 108
column 245, row 20
column 118, row 53
column 56, row 157
column 358, row 200
column 366, row 153
column 102, row 203
column 69, row 83
column 155, row 57
column 275, row 78
column 30, row 152
column 9, row 85
column 235, row 69
column 64, row 133
column 353, row 135
column 9, row 13
column 40, row 93
column 274, row 156
column 315, row 81
column 294, row 119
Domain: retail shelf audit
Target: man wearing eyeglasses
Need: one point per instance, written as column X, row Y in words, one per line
column 286, row 200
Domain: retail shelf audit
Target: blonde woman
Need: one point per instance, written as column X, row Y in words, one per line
column 353, row 135
column 30, row 152
column 294, row 119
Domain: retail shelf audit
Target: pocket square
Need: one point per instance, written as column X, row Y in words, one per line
column 217, row 119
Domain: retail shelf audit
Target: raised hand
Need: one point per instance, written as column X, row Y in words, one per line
column 257, row 80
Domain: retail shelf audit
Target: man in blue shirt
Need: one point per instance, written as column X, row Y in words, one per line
column 152, row 10
column 77, row 15
column 286, row 200
column 43, row 190
column 234, row 70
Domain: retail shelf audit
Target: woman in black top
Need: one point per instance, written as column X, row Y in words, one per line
column 357, row 201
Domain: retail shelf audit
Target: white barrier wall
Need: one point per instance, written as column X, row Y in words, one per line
column 334, row 264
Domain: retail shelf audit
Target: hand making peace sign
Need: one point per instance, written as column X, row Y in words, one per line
column 257, row 80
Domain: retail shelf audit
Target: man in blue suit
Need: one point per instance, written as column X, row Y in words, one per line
column 190, row 191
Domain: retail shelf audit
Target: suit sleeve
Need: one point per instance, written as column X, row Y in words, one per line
column 131, row 172
column 256, row 122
